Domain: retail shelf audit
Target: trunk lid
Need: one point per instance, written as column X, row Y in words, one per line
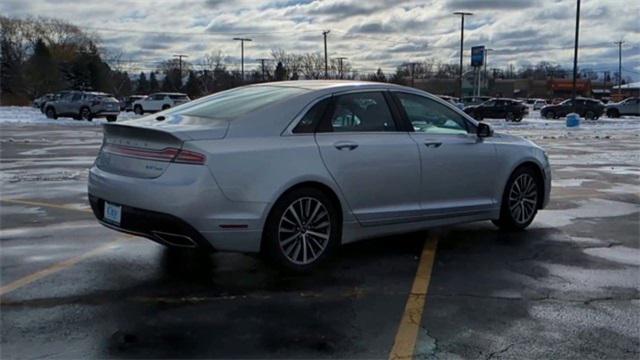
column 146, row 147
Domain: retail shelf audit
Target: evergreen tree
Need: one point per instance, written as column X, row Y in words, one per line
column 153, row 83
column 192, row 88
column 143, row 85
column 41, row 71
column 280, row 73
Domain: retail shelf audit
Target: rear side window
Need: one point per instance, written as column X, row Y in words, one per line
column 179, row 97
column 362, row 112
column 310, row 120
column 236, row 102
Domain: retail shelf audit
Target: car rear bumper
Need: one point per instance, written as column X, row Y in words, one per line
column 183, row 206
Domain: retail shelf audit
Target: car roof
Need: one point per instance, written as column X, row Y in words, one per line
column 330, row 84
column 168, row 93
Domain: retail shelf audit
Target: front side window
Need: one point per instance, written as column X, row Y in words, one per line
column 429, row 116
column 362, row 112
column 158, row 97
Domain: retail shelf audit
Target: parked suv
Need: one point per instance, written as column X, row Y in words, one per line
column 628, row 106
column 590, row 109
column 498, row 108
column 83, row 105
column 158, row 102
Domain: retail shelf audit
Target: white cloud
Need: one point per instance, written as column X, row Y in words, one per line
column 370, row 33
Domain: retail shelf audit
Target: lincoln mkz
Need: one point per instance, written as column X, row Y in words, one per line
column 295, row 169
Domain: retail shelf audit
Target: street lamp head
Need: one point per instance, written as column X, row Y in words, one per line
column 463, row 13
column 242, row 39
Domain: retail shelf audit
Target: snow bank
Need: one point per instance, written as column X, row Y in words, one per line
column 30, row 115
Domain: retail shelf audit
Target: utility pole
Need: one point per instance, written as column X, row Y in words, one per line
column 619, row 43
column 326, row 61
column 262, row 66
column 242, row 40
column 462, row 15
column 575, row 58
column 340, row 65
column 412, row 67
column 180, row 56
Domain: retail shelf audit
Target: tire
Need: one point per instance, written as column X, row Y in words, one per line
column 613, row 113
column 590, row 115
column 550, row 115
column 51, row 113
column 112, row 118
column 165, row 107
column 519, row 200
column 85, row 114
column 138, row 110
column 290, row 241
column 509, row 116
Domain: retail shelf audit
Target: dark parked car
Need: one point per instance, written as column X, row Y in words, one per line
column 498, row 108
column 83, row 105
column 127, row 104
column 590, row 109
column 628, row 106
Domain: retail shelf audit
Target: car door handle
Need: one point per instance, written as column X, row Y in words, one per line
column 345, row 145
column 433, row 145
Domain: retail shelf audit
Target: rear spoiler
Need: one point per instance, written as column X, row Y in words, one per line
column 182, row 128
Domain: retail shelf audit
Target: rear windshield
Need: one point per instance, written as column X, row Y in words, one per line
column 235, row 102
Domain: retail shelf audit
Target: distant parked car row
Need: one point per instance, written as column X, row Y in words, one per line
column 590, row 109
column 87, row 105
column 628, row 106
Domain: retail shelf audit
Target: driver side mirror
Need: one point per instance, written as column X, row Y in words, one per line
column 484, row 130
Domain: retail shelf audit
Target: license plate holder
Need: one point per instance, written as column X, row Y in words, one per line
column 112, row 213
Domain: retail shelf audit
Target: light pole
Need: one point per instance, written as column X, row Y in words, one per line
column 619, row 43
column 462, row 15
column 575, row 58
column 340, row 59
column 242, row 40
column 326, row 61
column 486, row 77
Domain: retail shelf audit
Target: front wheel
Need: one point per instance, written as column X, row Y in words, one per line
column 138, row 110
column 509, row 116
column 550, row 115
column 519, row 201
column 302, row 230
column 112, row 118
column 51, row 113
column 590, row 115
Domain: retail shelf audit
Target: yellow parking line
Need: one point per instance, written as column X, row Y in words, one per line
column 56, row 268
column 405, row 341
column 42, row 204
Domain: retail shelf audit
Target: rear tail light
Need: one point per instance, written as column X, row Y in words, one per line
column 168, row 154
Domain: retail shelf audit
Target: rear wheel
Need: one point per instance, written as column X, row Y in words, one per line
column 550, row 115
column 590, row 115
column 302, row 230
column 112, row 118
column 613, row 113
column 519, row 201
column 509, row 116
column 165, row 107
column 85, row 114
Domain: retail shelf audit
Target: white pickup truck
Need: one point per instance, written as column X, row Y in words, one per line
column 158, row 102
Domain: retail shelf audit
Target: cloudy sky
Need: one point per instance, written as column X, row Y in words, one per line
column 370, row 33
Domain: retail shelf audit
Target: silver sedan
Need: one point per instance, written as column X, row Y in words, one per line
column 295, row 169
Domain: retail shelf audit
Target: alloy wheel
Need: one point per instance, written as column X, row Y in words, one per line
column 85, row 114
column 304, row 231
column 523, row 198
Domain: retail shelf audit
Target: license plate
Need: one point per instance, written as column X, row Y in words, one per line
column 112, row 213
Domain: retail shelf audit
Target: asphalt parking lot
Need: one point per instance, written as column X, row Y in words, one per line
column 568, row 287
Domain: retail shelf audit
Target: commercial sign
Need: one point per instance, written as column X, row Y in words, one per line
column 477, row 56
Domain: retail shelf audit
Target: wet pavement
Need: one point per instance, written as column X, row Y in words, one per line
column 569, row 287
